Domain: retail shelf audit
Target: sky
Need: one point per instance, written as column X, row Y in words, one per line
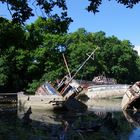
column 113, row 19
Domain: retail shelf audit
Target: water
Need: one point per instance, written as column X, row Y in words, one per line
column 103, row 121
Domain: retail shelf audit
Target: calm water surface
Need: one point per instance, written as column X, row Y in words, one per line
column 104, row 120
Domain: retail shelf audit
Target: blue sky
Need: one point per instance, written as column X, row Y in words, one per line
column 113, row 19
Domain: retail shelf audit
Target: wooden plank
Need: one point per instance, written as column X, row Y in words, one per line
column 6, row 94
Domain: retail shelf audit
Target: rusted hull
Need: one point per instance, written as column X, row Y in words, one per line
column 46, row 102
column 131, row 99
column 106, row 91
column 49, row 102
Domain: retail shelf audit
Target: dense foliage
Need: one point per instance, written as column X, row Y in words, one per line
column 22, row 10
column 29, row 55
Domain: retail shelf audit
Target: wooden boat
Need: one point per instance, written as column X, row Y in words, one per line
column 97, row 80
column 52, row 98
column 61, row 96
column 132, row 117
column 103, row 80
column 106, row 91
column 131, row 98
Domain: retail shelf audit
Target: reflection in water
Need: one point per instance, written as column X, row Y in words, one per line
column 104, row 105
column 134, row 120
column 133, row 117
column 26, row 118
column 101, row 122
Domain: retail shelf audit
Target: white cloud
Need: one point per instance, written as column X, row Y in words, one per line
column 137, row 48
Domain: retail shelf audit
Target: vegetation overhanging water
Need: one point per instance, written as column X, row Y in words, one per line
column 99, row 124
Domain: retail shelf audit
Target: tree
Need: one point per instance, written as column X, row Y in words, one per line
column 121, row 60
column 115, row 58
column 21, row 10
column 34, row 57
column 13, row 58
column 29, row 55
column 94, row 4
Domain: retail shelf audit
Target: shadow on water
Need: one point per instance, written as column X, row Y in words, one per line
column 99, row 123
column 134, row 120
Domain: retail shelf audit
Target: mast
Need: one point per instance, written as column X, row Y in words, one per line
column 71, row 78
column 89, row 56
column 62, row 49
column 66, row 65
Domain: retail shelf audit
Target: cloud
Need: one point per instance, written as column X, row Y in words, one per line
column 137, row 48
